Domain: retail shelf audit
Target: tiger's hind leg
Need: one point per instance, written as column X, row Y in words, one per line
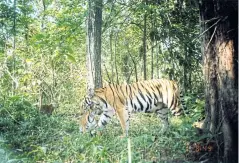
column 163, row 115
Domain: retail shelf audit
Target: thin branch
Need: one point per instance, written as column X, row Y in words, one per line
column 12, row 77
column 207, row 21
column 206, row 30
column 128, row 79
column 134, row 63
column 107, row 73
column 169, row 20
column 211, row 38
column 109, row 19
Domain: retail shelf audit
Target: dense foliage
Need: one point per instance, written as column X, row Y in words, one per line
column 32, row 137
column 42, row 60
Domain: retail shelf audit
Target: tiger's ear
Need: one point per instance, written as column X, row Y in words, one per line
column 91, row 92
column 88, row 100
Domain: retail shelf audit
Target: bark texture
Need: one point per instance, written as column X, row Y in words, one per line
column 94, row 26
column 220, row 47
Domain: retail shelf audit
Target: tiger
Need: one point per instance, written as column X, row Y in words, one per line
column 148, row 96
column 88, row 121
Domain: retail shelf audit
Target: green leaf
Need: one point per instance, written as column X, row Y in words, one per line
column 71, row 58
column 14, row 98
column 13, row 161
column 39, row 36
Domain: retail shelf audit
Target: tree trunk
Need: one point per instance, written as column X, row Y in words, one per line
column 116, row 68
column 158, row 51
column 94, row 25
column 125, row 68
column 219, row 21
column 185, row 67
column 153, row 39
column 14, row 49
column 144, row 48
column 43, row 16
column 111, row 57
column 135, row 65
column 152, row 60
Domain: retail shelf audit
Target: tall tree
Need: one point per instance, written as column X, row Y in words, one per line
column 144, row 44
column 94, row 26
column 219, row 22
column 14, row 47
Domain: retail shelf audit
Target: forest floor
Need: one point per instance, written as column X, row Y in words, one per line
column 56, row 139
column 6, row 155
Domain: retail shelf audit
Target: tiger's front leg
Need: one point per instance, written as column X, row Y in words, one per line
column 124, row 117
column 105, row 118
column 163, row 116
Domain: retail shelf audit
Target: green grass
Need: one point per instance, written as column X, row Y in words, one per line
column 57, row 139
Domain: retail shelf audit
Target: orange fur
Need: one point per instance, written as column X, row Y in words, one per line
column 117, row 96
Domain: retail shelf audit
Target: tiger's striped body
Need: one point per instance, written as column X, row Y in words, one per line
column 151, row 96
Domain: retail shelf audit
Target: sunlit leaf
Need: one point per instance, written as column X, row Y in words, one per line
column 71, row 58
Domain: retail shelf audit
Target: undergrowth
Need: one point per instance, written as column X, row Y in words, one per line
column 33, row 137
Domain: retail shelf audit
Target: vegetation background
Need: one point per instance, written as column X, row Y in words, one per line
column 44, row 69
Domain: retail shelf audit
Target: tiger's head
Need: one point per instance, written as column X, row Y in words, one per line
column 91, row 109
column 95, row 100
column 91, row 104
